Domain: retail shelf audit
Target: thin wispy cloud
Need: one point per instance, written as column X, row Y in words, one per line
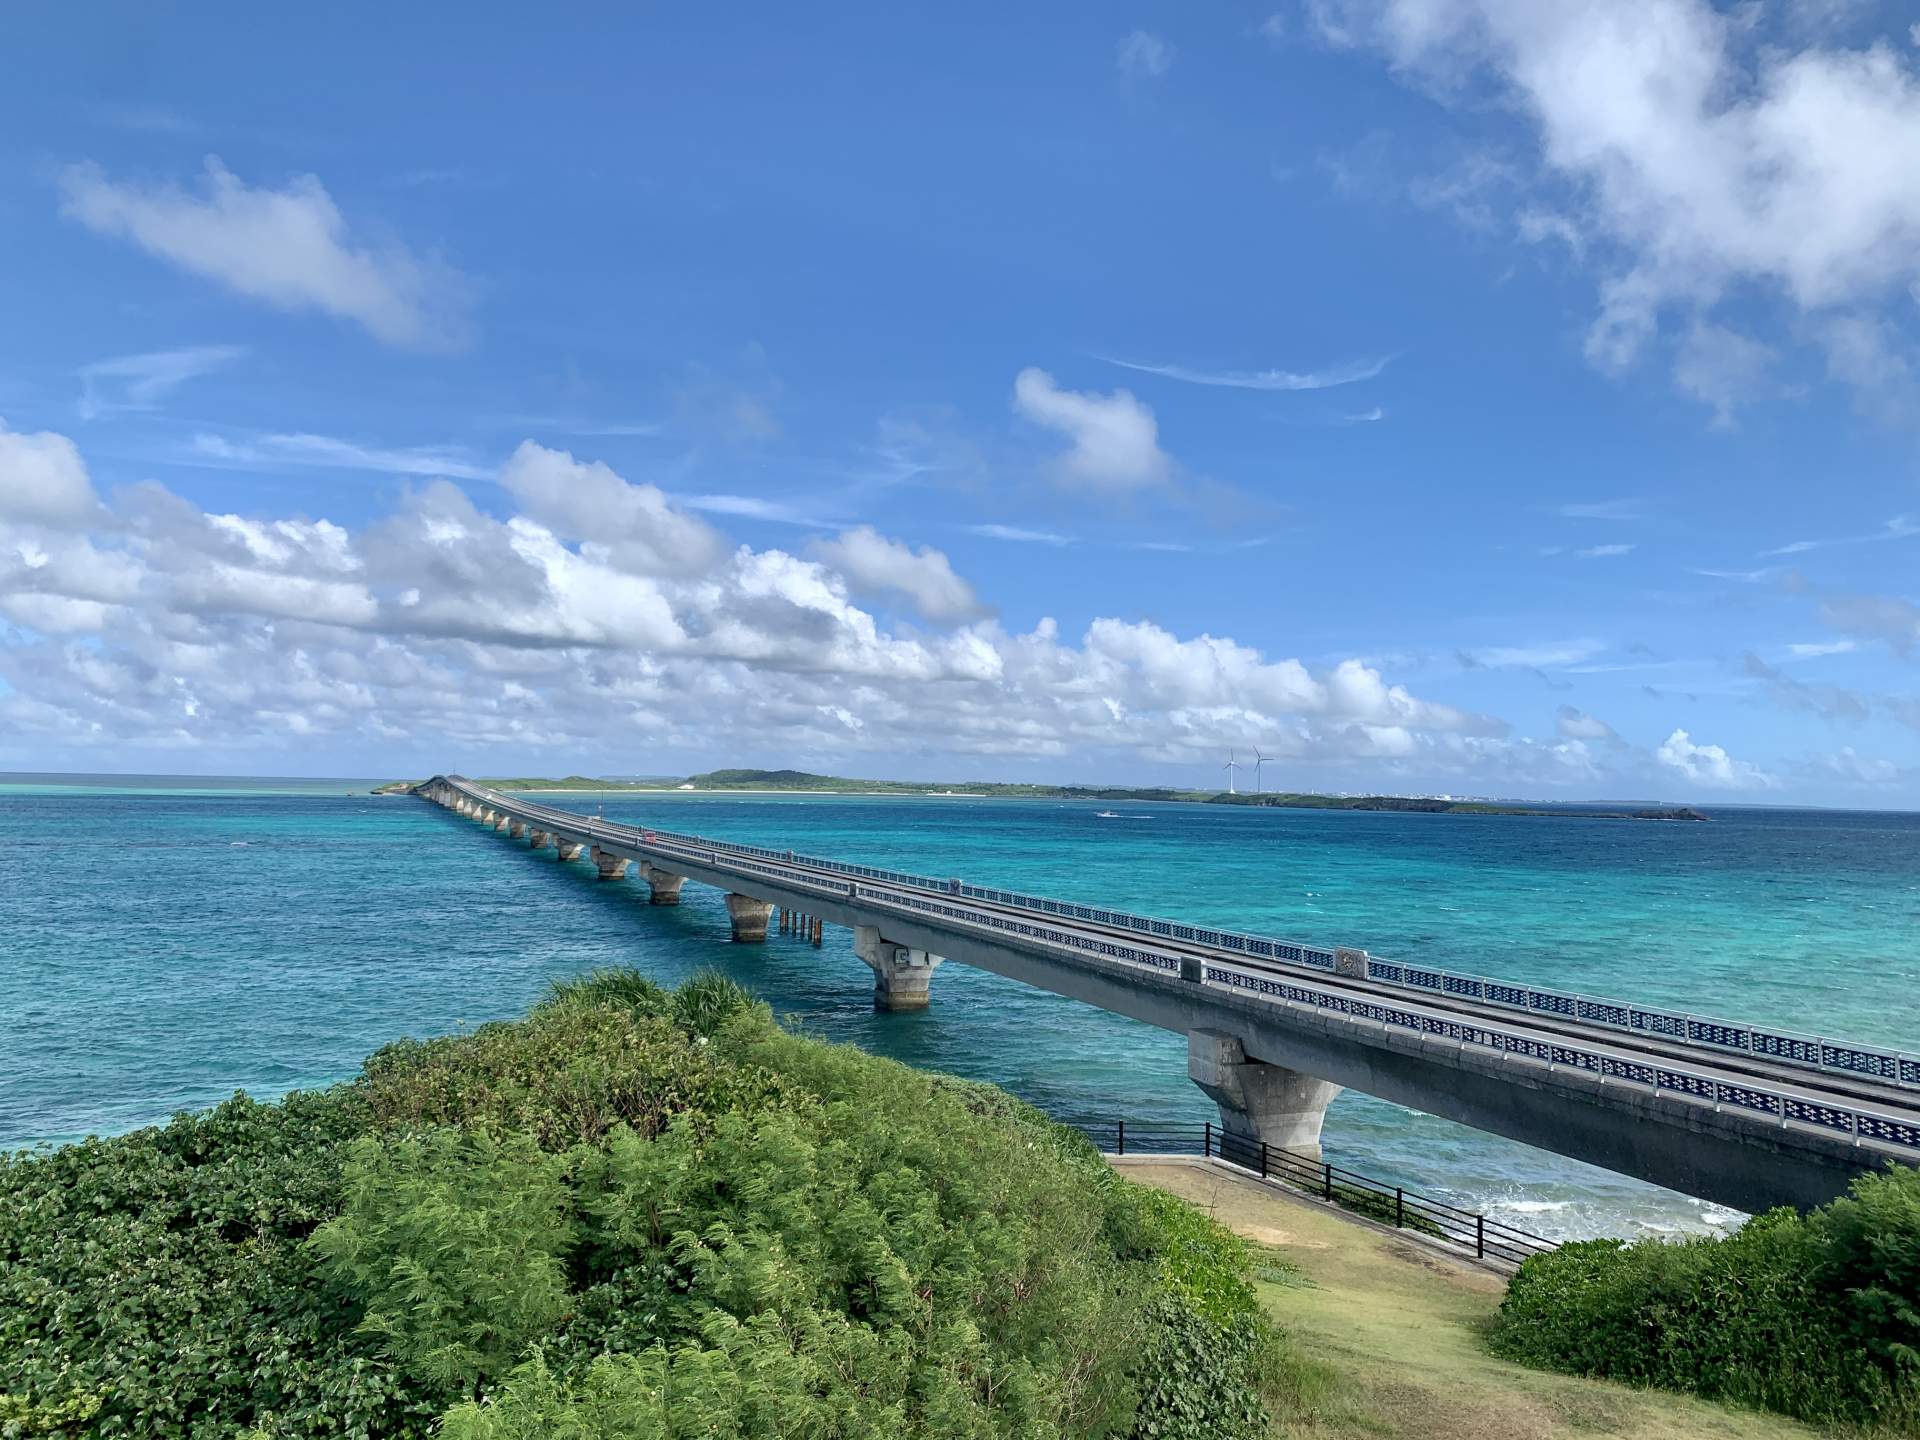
column 573, row 425
column 1901, row 527
column 754, row 507
column 1623, row 667
column 1200, row 547
column 1337, row 419
column 147, row 120
column 1745, row 577
column 1813, row 649
column 1018, row 535
column 1602, row 510
column 141, row 382
column 327, row 452
column 1604, row 552
column 1271, row 380
column 1144, row 55
column 1531, row 657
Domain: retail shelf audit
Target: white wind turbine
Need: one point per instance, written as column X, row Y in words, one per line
column 1258, row 761
column 1231, row 766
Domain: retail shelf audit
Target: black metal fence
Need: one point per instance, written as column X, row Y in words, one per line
column 1389, row 1204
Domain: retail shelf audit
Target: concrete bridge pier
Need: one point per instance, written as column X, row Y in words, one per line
column 569, row 849
column 749, row 916
column 538, row 839
column 902, row 975
column 516, row 829
column 503, row 822
column 1259, row 1102
column 612, row 867
column 663, row 886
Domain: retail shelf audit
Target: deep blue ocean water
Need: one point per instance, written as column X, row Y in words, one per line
column 167, row 942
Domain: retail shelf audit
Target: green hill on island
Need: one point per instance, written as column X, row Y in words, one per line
column 633, row 1214
column 806, row 782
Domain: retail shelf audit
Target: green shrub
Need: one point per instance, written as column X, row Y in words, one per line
column 630, row 1214
column 449, row 1246
column 158, row 1284
column 569, row 1073
column 1811, row 1316
column 625, row 989
column 708, row 1000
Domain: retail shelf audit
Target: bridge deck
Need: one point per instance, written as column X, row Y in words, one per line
column 1876, row 1115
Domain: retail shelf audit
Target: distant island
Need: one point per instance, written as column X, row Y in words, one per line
column 806, row 783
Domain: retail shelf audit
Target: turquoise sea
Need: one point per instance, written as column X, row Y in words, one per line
column 166, row 941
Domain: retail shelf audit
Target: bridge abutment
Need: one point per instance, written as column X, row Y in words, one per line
column 748, row 916
column 1269, row 1104
column 612, row 867
column 663, row 886
column 902, row 976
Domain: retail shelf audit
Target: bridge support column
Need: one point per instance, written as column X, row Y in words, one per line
column 502, row 823
column 517, row 829
column 569, row 849
column 902, row 976
column 663, row 887
column 612, row 867
column 749, row 916
column 538, row 839
column 1259, row 1102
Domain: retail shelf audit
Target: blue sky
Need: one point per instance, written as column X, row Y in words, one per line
column 1442, row 395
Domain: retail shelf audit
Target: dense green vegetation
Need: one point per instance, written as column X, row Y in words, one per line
column 632, row 1214
column 1816, row 1316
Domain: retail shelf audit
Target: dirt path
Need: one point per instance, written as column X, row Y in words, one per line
column 1390, row 1333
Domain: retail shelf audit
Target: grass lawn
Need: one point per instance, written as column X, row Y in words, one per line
column 1387, row 1336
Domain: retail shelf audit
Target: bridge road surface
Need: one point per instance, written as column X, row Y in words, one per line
column 1738, row 1127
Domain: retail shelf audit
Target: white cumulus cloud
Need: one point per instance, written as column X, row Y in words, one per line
column 872, row 562
column 1115, row 440
column 1576, row 724
column 287, row 247
column 1710, row 765
column 1696, row 159
column 43, row 479
column 599, row 616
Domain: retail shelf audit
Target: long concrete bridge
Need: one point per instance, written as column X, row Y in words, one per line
column 1743, row 1115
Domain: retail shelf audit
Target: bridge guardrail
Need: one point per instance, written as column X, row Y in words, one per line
column 1388, row 1204
column 1757, row 1098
